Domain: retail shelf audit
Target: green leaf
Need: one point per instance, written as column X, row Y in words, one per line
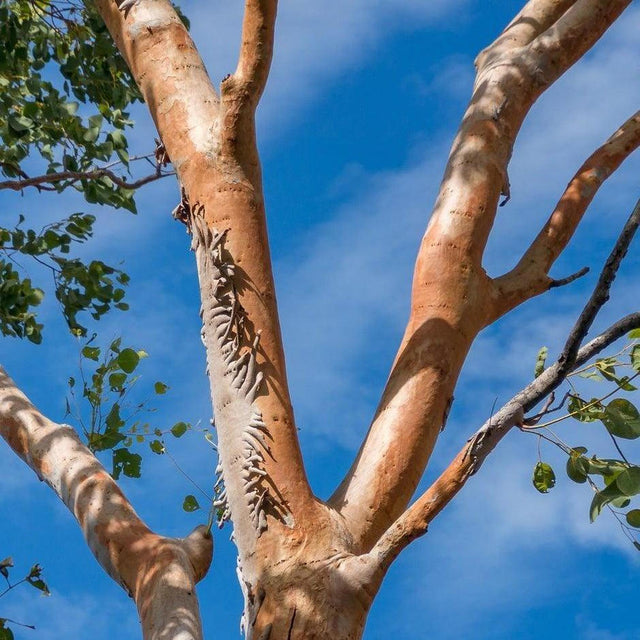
column 584, row 411
column 117, row 380
column 190, row 503
column 606, row 367
column 157, row 447
column 113, row 420
column 622, row 419
column 126, row 462
column 628, row 481
column 621, row 503
column 603, row 498
column 128, row 360
column 92, row 353
column 634, row 335
column 179, row 429
column 635, row 357
column 604, row 467
column 36, row 581
column 5, row 632
column 543, row 477
column 540, row 361
column 7, row 562
column 633, row 518
column 160, row 388
column 590, row 374
column 577, row 465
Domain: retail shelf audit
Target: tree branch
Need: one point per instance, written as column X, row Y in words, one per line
column 256, row 50
column 570, row 37
column 534, row 18
column 452, row 296
column 171, row 76
column 600, row 294
column 76, row 176
column 415, row 521
column 241, row 91
column 529, row 277
column 159, row 573
column 212, row 145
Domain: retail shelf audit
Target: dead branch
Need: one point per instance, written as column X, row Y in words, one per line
column 77, row 176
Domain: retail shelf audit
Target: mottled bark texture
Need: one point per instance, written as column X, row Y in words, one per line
column 310, row 569
column 158, row 573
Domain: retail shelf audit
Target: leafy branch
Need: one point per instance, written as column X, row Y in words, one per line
column 33, row 578
column 107, row 177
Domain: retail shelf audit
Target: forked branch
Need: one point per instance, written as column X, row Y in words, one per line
column 530, row 276
column 534, row 18
column 452, row 297
column 414, row 521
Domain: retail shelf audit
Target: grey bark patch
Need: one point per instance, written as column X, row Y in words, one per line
column 236, row 380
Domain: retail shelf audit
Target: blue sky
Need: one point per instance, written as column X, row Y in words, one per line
column 355, row 126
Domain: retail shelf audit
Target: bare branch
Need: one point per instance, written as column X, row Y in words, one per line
column 256, row 50
column 414, row 522
column 529, row 277
column 600, row 294
column 241, row 91
column 570, row 37
column 569, row 279
column 124, row 546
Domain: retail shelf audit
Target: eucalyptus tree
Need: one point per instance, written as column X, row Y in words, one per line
column 307, row 568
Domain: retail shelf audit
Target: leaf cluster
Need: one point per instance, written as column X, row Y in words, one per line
column 112, row 422
column 61, row 64
column 94, row 287
column 615, row 481
column 33, row 578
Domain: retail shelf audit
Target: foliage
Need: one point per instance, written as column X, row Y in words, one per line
column 64, row 91
column 94, row 286
column 106, row 404
column 614, row 481
column 62, row 55
column 33, row 578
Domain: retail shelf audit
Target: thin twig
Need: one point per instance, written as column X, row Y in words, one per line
column 569, row 279
column 76, row 176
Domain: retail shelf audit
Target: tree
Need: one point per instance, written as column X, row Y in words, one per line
column 309, row 568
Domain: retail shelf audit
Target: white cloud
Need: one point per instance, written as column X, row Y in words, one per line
column 60, row 617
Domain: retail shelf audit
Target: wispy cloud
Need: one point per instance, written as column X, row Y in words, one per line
column 316, row 43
